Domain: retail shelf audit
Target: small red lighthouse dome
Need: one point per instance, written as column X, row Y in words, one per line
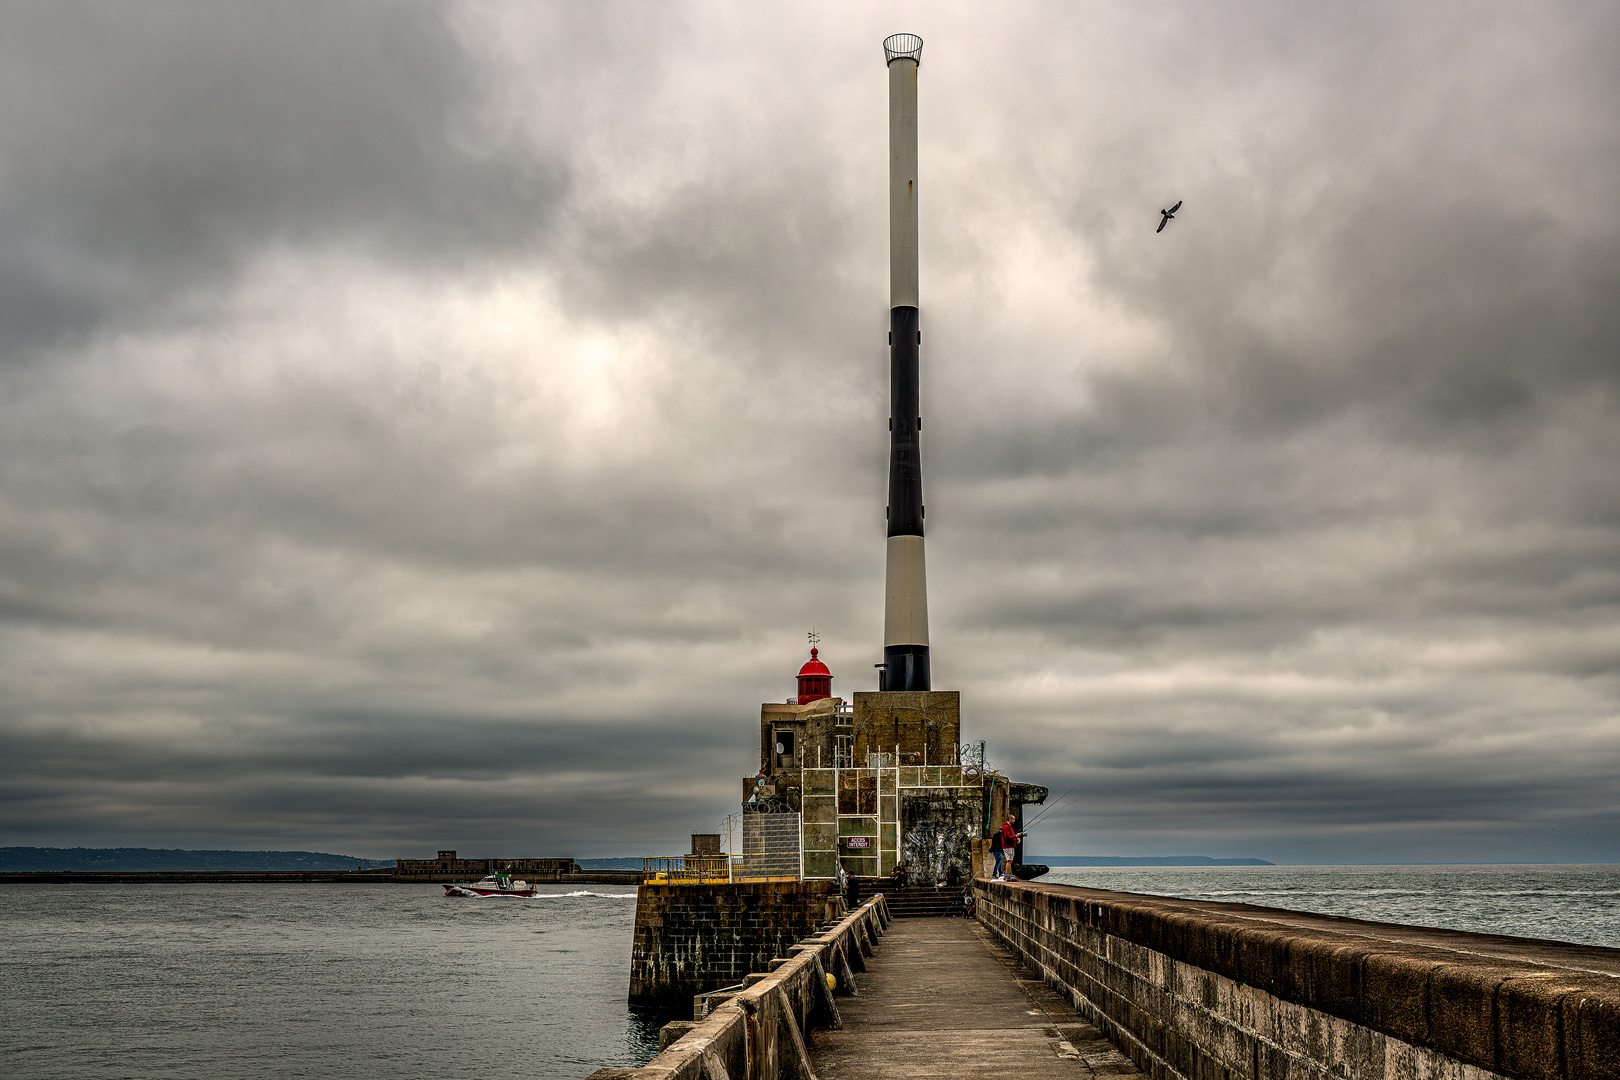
column 815, row 681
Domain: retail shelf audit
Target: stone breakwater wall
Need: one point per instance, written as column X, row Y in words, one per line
column 690, row 939
column 1192, row 990
column 384, row 876
column 758, row 1031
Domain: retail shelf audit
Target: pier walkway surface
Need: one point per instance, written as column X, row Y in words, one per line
column 942, row 998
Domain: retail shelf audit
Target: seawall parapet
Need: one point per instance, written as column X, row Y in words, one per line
column 1192, row 989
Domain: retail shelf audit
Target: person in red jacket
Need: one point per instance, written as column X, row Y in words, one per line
column 1003, row 847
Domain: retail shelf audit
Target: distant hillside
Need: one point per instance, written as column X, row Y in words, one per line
column 45, row 859
column 1140, row 860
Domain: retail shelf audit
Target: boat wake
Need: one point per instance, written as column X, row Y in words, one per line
column 546, row 896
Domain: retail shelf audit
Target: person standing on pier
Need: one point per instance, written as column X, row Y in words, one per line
column 1005, row 841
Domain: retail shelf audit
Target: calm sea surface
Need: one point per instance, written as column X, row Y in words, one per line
column 1565, row 903
column 212, row 981
column 208, row 982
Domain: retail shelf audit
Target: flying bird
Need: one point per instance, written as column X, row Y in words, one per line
column 1168, row 214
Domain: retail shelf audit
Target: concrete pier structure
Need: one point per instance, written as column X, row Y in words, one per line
column 1059, row 981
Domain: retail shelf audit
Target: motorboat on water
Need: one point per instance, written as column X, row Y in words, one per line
column 496, row 884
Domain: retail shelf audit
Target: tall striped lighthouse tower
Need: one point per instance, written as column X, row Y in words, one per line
column 905, row 589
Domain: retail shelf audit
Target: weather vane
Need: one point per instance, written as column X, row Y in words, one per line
column 815, row 638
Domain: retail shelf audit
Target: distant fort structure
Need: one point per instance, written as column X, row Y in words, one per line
column 447, row 865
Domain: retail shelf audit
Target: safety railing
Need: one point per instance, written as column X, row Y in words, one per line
column 766, row 866
column 758, row 1027
column 685, row 869
column 709, row 869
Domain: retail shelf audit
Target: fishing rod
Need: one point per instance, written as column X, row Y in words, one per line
column 1042, row 816
column 1060, row 818
column 1037, row 819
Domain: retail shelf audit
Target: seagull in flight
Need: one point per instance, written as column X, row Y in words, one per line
column 1168, row 214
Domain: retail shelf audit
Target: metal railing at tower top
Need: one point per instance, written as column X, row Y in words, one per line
column 902, row 47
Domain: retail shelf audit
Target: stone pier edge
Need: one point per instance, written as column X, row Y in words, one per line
column 759, row 1032
column 1191, row 990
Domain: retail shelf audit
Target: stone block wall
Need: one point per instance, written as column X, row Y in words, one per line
column 926, row 725
column 1193, row 990
column 690, row 939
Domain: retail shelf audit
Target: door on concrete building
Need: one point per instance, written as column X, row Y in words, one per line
column 785, row 749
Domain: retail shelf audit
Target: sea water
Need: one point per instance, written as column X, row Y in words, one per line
column 218, row 981
column 212, row 982
column 1579, row 903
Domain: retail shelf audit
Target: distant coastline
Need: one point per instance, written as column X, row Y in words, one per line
column 36, row 860
column 1141, row 860
column 135, row 866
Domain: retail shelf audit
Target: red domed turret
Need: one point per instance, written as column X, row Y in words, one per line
column 815, row 681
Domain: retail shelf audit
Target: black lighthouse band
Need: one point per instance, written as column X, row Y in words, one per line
column 905, row 664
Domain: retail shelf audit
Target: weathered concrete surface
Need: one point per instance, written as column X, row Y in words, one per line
column 690, row 939
column 1192, row 989
column 926, row 725
column 943, row 999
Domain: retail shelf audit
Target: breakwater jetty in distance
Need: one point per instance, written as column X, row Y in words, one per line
column 445, row 868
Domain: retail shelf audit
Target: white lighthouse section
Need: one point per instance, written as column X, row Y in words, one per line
column 905, row 601
column 903, row 173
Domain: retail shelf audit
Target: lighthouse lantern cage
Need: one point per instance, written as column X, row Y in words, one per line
column 902, row 47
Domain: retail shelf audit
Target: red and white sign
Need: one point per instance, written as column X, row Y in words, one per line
column 858, row 841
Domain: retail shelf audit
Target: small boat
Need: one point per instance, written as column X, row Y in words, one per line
column 496, row 884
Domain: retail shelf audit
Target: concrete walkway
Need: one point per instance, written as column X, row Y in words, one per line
column 942, row 998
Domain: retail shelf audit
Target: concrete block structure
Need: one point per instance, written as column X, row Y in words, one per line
column 884, row 782
column 694, row 938
column 922, row 726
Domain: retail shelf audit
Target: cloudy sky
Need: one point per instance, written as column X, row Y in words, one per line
column 438, row 425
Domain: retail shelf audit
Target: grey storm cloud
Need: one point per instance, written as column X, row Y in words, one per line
column 438, row 424
column 150, row 150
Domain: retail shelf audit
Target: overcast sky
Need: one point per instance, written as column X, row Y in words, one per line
column 438, row 425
